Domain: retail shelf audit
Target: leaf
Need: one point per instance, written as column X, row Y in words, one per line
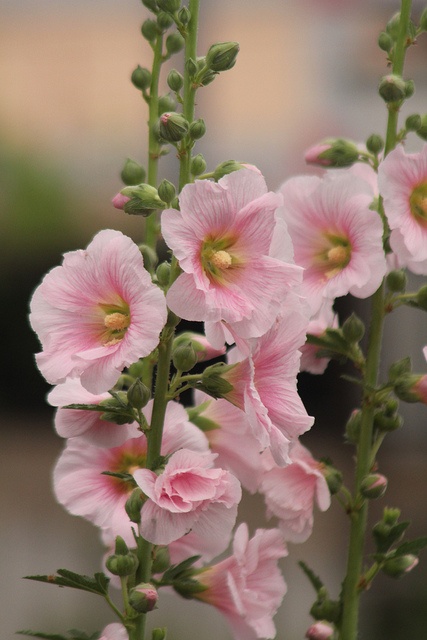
column 412, row 546
column 177, row 570
column 86, row 407
column 314, row 579
column 98, row 584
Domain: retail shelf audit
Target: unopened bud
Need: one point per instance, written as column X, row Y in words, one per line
column 385, row 42
column 150, row 30
column 398, row 566
column 353, row 426
column 326, row 609
column 166, row 191
column 184, row 357
column 141, row 79
column 387, row 422
column 392, row 27
column 197, row 129
column 175, row 80
column 169, row 5
column 399, row 368
column 373, row 486
column 422, row 131
column 375, row 143
column 225, row 168
column 320, row 630
column 421, row 297
column 138, row 394
column 134, row 504
column 203, row 348
column 161, row 560
column 333, row 478
column 166, row 103
column 119, row 201
column 144, row 199
column 198, row 165
column 213, row 382
column 392, row 88
column 333, row 152
column 132, row 172
column 222, row 56
column 184, row 15
column 149, row 255
column 174, row 43
column 159, row 633
column 143, row 598
column 396, row 281
column 163, row 273
column 413, row 123
column 122, row 565
column 411, row 388
column 173, row 126
column 409, row 88
column 191, row 67
column 164, row 20
column 353, row 329
column 151, row 4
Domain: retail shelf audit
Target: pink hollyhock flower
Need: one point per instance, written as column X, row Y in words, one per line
column 97, row 313
column 337, row 238
column 222, row 238
column 119, row 200
column 229, row 433
column 82, row 488
column 317, row 326
column 290, row 493
column 72, row 423
column 265, row 384
column 248, row 587
column 114, row 631
column 402, row 180
column 201, row 345
column 190, row 495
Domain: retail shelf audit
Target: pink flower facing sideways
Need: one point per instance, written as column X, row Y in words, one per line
column 189, row 495
column 337, row 238
column 402, row 180
column 97, row 313
column 248, row 587
column 222, row 237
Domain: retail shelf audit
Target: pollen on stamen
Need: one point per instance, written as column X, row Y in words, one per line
column 221, row 260
column 116, row 321
column 338, row 255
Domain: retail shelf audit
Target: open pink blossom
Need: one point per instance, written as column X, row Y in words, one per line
column 317, row 326
column 402, row 180
column 190, row 494
column 248, row 586
column 222, row 237
column 97, row 313
column 290, row 493
column 82, row 488
column 72, row 423
column 337, row 238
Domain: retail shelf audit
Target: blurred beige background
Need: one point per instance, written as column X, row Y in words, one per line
column 69, row 117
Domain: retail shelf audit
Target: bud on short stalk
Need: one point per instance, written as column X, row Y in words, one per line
column 222, row 56
column 164, row 20
column 174, row 43
column 411, row 388
column 175, row 80
column 333, row 478
column 150, row 30
column 375, row 144
column 392, row 88
column 138, row 394
column 353, row 329
column 173, row 126
column 169, row 5
column 132, row 172
column 163, row 274
column 143, row 598
column 333, row 152
column 198, row 165
column 197, row 129
column 134, row 504
column 373, row 486
column 184, row 357
column 141, row 79
column 413, row 123
column 159, row 633
column 320, row 630
column 385, row 42
column 421, row 298
column 396, row 281
column 166, row 191
column 353, row 426
column 398, row 566
column 144, row 199
column 225, row 168
column 166, row 103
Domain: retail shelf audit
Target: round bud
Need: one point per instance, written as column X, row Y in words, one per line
column 198, row 165
column 353, row 329
column 222, row 56
column 396, row 281
column 169, row 5
column 132, row 172
column 138, row 394
column 166, row 103
column 385, row 41
column 422, row 131
column 173, row 126
column 413, row 123
column 134, row 504
column 164, row 20
column 392, row 88
column 149, row 30
column 141, row 79
column 398, row 566
column 387, row 422
column 421, row 297
column 151, row 4
column 184, row 16
column 175, row 80
column 184, row 357
column 161, row 560
column 166, row 191
column 320, row 630
column 143, row 598
column 333, row 478
column 353, row 426
column 197, row 129
column 375, row 144
column 120, row 565
column 373, row 486
column 163, row 273
column 174, row 43
column 392, row 26
column 191, row 67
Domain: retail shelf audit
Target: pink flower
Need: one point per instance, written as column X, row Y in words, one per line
column 337, row 238
column 402, row 180
column 82, row 488
column 114, row 631
column 320, row 631
column 190, row 494
column 201, row 345
column 317, row 326
column 290, row 493
column 119, row 200
column 72, row 423
column 97, row 313
column 313, row 155
column 222, row 238
column 248, row 587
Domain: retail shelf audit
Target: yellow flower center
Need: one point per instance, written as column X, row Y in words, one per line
column 221, row 260
column 217, row 256
column 418, row 204
column 335, row 256
column 116, row 320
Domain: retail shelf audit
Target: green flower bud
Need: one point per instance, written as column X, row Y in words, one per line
column 385, row 422
column 392, row 88
column 385, row 42
column 225, row 168
column 422, row 131
column 391, row 407
column 392, row 27
column 409, row 88
column 373, row 486
column 189, row 588
column 169, row 5
column 134, row 504
column 132, row 172
column 332, row 152
column 399, row 368
column 151, row 4
column 423, row 20
column 326, row 609
column 353, row 329
column 164, row 20
column 396, row 280
column 213, row 381
column 149, row 256
column 197, row 129
column 375, row 144
column 138, row 394
column 150, row 30
column 184, row 357
column 191, row 67
column 421, row 297
column 166, row 191
column 173, row 126
column 397, row 567
column 159, row 633
column 144, row 199
column 143, row 598
column 353, row 426
column 411, row 388
column 141, row 79
column 413, row 123
column 175, row 80
column 174, row 43
column 184, row 16
column 166, row 103
column 198, row 165
column 161, row 560
column 163, row 273
column 122, row 565
column 333, row 478
column 222, row 56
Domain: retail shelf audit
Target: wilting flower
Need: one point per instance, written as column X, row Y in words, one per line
column 248, row 587
column 222, row 237
column 189, row 495
column 97, row 313
column 337, row 238
column 402, row 180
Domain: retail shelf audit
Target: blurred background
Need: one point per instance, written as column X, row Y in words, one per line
column 69, row 117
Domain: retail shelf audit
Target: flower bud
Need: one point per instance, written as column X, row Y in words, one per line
column 151, row 4
column 399, row 368
column 411, row 388
column 161, row 560
column 385, row 42
column 119, row 201
column 144, row 199
column 353, row 426
column 396, row 281
column 222, row 56
column 320, row 630
column 423, row 20
column 184, row 16
column 150, row 30
column 333, row 478
column 422, row 131
column 169, row 5
column 174, row 43
column 333, row 152
column 353, row 329
column 392, row 26
column 326, row 609
column 175, row 80
column 164, row 20
column 141, row 79
column 166, row 103
column 398, row 566
column 163, row 273
column 385, row 422
column 166, row 191
column 213, row 382
column 121, row 548
column 138, row 394
column 375, row 144
column 198, row 165
column 191, row 67
column 159, row 633
column 122, row 565
column 373, row 486
column 392, row 88
column 413, row 122
column 132, row 173
column 173, row 126
column 197, row 129
column 203, row 348
column 134, row 504
column 421, row 297
column 409, row 88
column 143, row 598
column 184, row 357
column 225, row 168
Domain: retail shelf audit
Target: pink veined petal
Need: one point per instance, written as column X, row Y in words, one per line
column 163, row 527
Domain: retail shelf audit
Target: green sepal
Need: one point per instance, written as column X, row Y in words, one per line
column 314, row 579
column 187, row 587
column 178, row 570
column 386, row 535
column 121, row 476
column 98, row 584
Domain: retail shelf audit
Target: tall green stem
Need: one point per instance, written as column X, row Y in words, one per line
column 351, row 590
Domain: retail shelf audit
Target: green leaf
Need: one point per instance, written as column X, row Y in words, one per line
column 98, row 584
column 177, row 570
column 314, row 579
column 86, row 407
column 412, row 546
